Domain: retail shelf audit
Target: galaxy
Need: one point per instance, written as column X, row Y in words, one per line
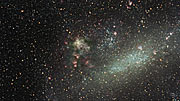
column 90, row 50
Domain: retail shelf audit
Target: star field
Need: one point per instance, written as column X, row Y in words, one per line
column 63, row 50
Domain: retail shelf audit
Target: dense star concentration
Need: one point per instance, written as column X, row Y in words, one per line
column 95, row 50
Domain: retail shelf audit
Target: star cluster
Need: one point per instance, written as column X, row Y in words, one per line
column 61, row 50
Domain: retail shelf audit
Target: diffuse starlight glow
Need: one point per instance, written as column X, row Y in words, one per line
column 135, row 59
column 128, row 63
